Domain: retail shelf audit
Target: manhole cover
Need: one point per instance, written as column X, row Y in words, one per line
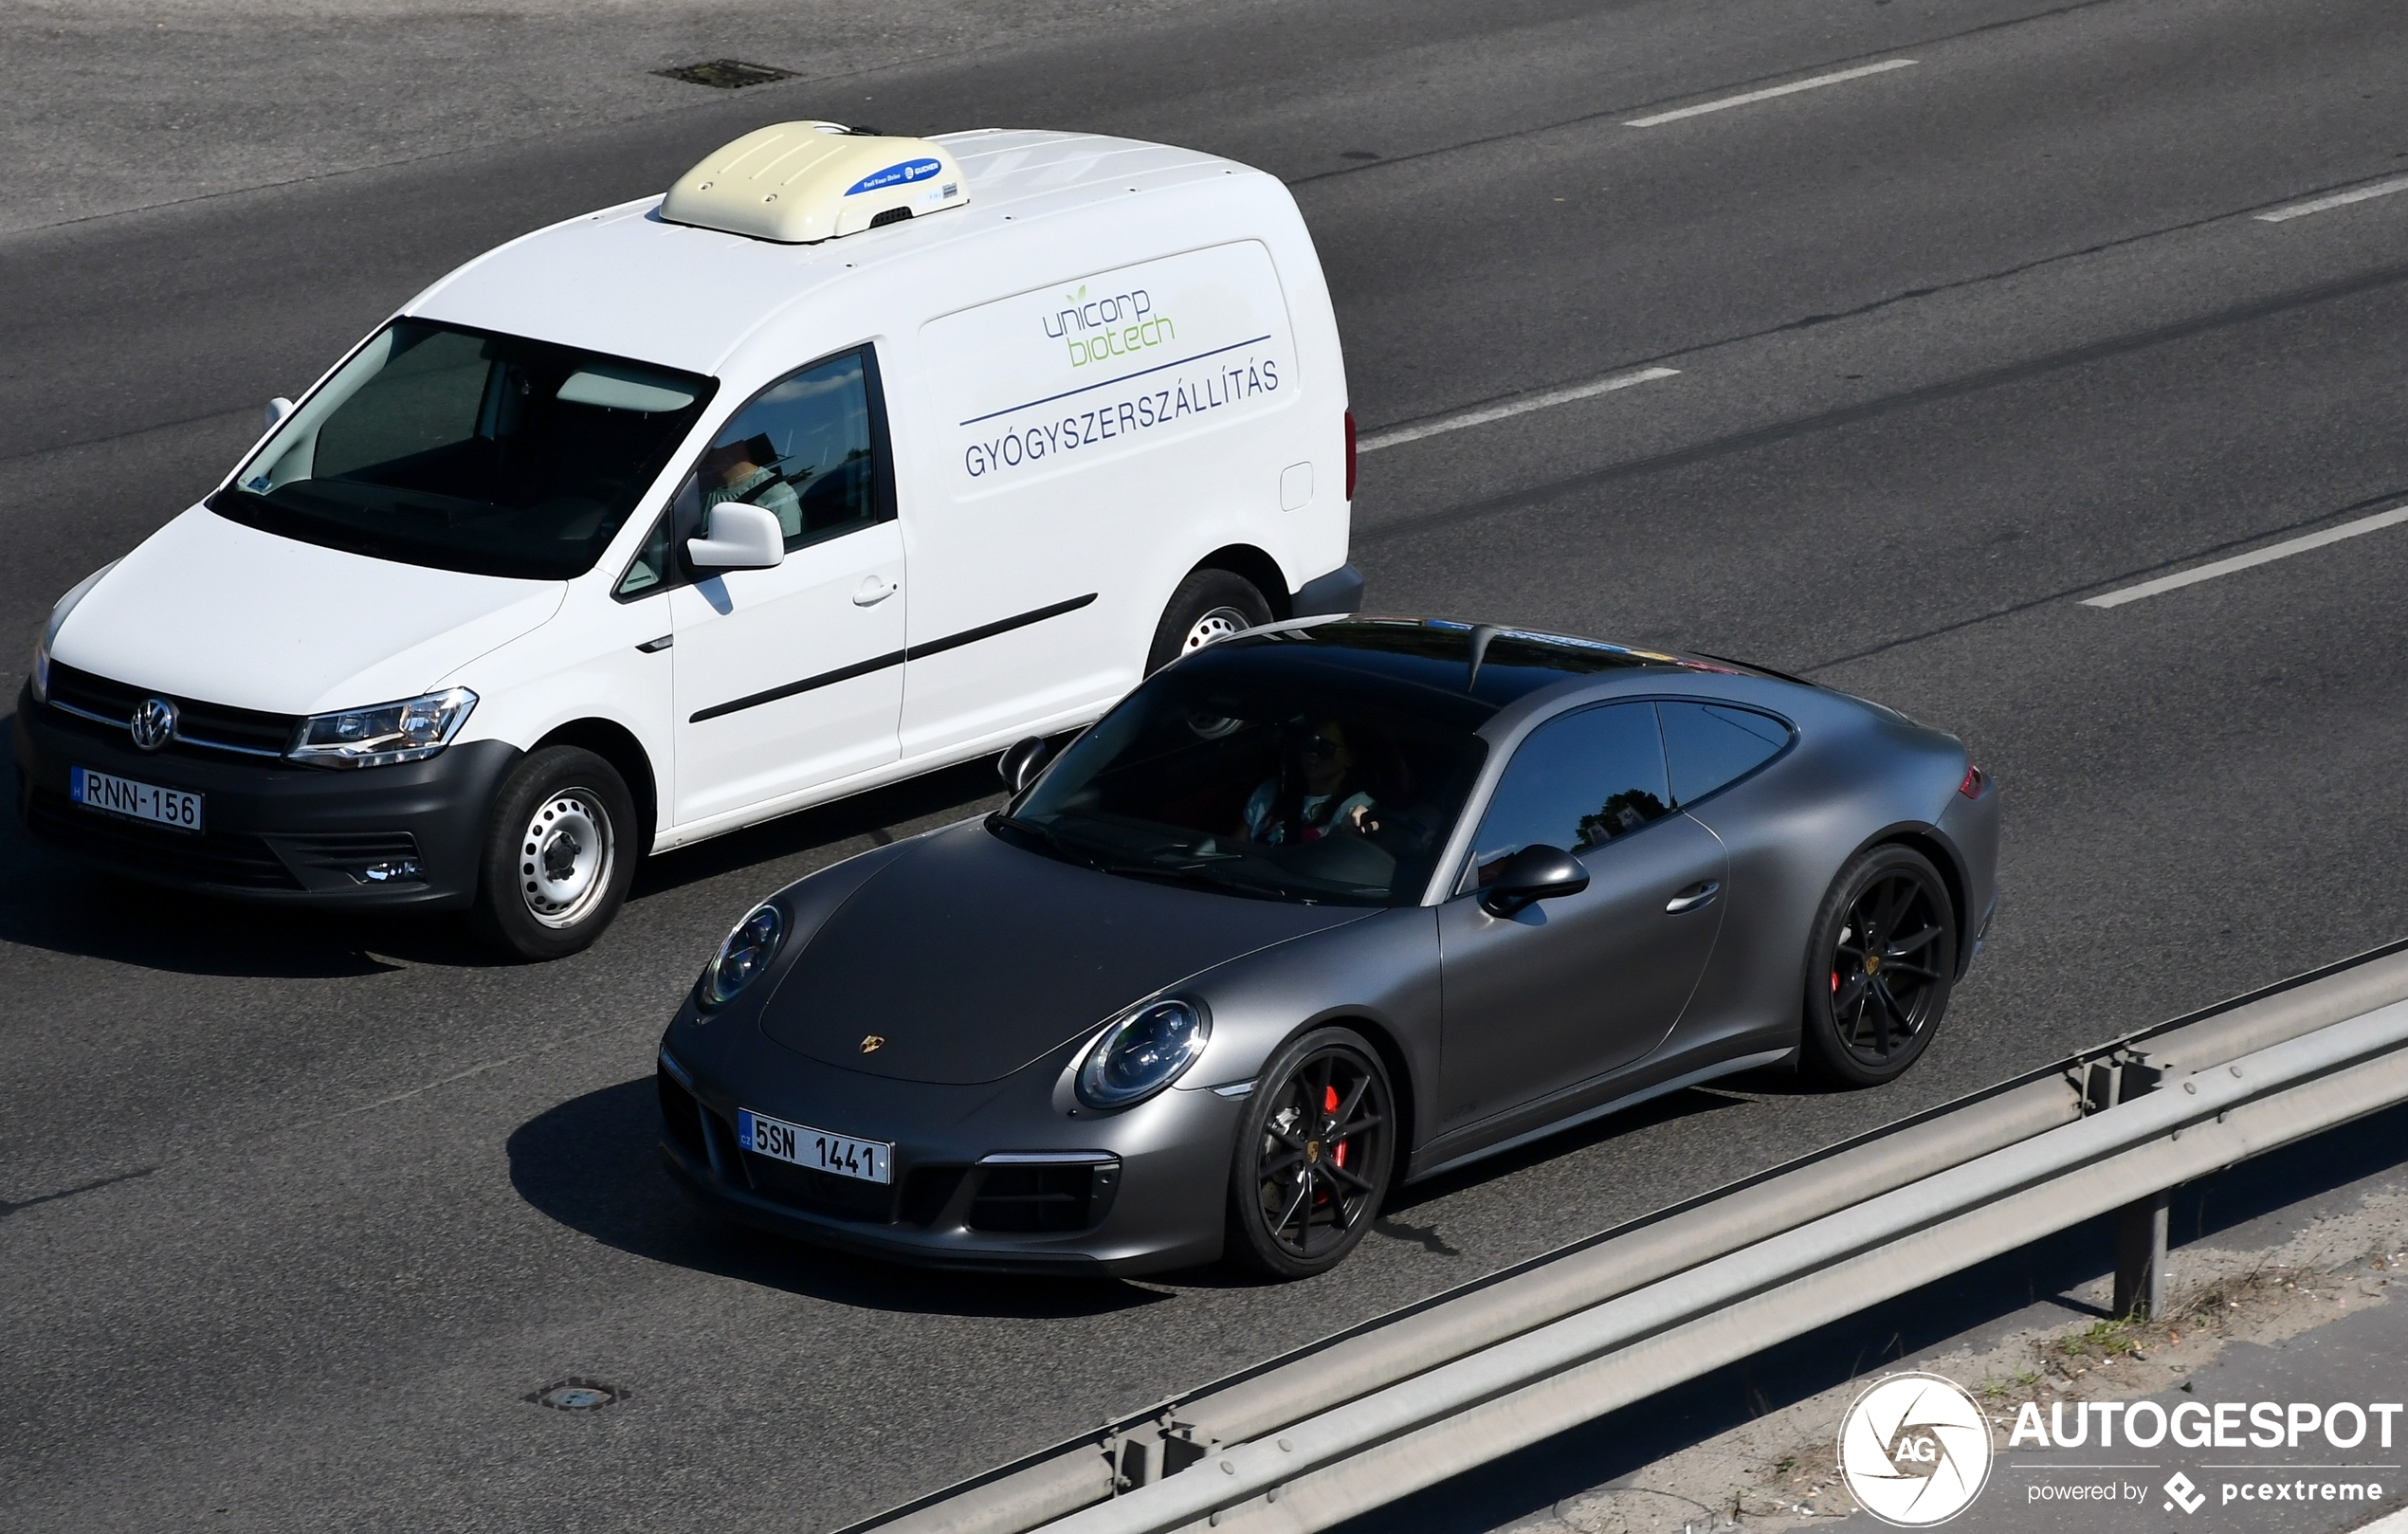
column 726, row 74
column 576, row 1395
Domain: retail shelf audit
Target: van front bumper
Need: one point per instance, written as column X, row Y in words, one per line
column 375, row 838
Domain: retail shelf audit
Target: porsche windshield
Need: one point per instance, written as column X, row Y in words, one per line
column 1253, row 772
column 436, row 446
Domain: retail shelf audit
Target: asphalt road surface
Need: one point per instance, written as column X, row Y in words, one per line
column 295, row 1212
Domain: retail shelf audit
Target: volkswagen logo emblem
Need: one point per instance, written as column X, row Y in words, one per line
column 153, row 724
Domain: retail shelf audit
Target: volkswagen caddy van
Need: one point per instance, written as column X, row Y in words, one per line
column 850, row 457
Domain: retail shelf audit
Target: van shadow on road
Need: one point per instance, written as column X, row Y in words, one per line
column 591, row 1164
column 57, row 904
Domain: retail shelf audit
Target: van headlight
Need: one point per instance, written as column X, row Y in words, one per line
column 1141, row 1051
column 741, row 958
column 59, row 611
column 411, row 730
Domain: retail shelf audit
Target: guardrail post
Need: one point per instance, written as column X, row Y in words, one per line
column 2140, row 1257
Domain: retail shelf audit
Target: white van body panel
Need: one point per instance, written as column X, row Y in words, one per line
column 279, row 624
column 207, row 608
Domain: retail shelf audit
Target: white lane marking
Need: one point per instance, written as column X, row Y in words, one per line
column 2339, row 199
column 1512, row 407
column 1790, row 89
column 2257, row 557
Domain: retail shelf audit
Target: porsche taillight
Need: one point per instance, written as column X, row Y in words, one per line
column 1971, row 787
column 1350, row 455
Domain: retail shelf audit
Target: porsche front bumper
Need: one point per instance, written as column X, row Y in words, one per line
column 984, row 1177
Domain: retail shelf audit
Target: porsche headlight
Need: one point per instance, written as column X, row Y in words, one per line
column 1141, row 1051
column 411, row 730
column 741, row 958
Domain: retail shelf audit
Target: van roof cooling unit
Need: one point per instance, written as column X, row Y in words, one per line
column 798, row 183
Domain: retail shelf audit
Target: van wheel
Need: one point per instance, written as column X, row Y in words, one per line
column 558, row 858
column 1207, row 605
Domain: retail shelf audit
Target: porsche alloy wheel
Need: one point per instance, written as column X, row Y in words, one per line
column 1886, row 947
column 1315, row 1153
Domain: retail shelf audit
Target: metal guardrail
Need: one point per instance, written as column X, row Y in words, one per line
column 1361, row 1420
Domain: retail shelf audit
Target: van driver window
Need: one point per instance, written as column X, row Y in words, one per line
column 1576, row 783
column 800, row 450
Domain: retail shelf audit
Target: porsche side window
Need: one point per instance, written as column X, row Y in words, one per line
column 1578, row 782
column 1709, row 745
column 802, row 450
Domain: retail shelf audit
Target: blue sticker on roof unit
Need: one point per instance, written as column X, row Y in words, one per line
column 895, row 175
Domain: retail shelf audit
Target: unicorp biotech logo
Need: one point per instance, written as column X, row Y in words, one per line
column 1914, row 1449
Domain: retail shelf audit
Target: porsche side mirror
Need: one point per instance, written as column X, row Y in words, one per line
column 277, row 409
column 1021, row 760
column 743, row 538
column 1536, row 872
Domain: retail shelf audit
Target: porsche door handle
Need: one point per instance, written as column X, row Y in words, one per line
column 874, row 590
column 1695, row 897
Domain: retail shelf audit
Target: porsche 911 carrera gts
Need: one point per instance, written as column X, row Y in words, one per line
column 1326, row 907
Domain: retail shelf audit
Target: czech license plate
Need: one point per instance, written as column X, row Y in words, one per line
column 869, row 1159
column 171, row 807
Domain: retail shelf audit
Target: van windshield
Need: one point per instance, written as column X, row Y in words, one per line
column 464, row 450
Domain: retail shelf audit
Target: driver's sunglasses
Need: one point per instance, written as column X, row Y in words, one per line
column 1320, row 748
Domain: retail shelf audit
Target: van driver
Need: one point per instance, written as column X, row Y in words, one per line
column 732, row 464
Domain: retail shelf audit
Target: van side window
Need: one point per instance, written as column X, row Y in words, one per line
column 1711, row 744
column 654, row 564
column 1578, row 782
column 802, row 450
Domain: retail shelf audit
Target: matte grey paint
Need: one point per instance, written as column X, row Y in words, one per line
column 987, row 968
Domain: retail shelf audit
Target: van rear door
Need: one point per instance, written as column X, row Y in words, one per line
column 1087, row 441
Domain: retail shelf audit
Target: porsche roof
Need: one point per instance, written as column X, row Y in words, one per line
column 1492, row 664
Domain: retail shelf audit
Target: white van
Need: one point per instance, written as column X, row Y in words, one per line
column 849, row 458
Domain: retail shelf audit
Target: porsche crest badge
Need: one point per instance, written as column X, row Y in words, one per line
column 872, row 1043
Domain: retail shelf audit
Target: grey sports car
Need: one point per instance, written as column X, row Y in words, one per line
column 1326, row 907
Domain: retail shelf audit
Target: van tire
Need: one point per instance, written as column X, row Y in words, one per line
column 1208, row 604
column 561, row 850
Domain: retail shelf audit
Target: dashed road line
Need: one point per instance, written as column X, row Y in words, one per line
column 2256, row 557
column 2339, row 199
column 1726, row 103
column 1523, row 406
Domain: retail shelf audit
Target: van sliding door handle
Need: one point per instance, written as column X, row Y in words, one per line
column 1695, row 897
column 874, row 590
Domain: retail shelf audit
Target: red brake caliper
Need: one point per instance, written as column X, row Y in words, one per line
column 1329, row 1104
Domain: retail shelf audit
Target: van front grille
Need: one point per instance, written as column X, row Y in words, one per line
column 203, row 729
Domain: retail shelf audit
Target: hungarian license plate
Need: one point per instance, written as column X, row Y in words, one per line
column 869, row 1159
column 170, row 807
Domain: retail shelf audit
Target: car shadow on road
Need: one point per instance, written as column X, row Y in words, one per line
column 591, row 1164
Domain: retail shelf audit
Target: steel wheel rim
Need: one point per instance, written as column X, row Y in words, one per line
column 1885, row 974
column 565, row 857
column 1327, row 1129
column 1219, row 624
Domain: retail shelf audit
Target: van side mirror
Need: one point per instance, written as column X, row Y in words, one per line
column 1536, row 872
column 743, row 538
column 277, row 409
column 1021, row 760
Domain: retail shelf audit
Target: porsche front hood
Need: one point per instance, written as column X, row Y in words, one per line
column 968, row 957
